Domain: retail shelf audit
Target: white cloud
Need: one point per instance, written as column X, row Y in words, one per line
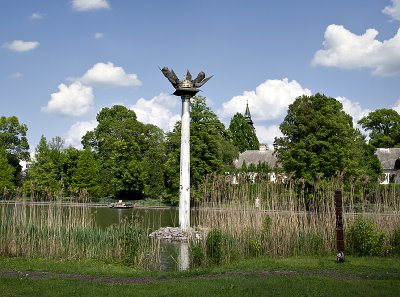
column 21, row 46
column 98, row 35
column 84, row 5
column 344, row 49
column 394, row 10
column 15, row 75
column 74, row 135
column 396, row 106
column 72, row 100
column 106, row 74
column 37, row 16
column 159, row 110
column 267, row 134
column 269, row 101
column 354, row 109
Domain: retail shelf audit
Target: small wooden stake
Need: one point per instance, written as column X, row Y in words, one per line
column 339, row 226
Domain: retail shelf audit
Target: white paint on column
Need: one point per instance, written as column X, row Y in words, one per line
column 184, row 183
column 183, row 260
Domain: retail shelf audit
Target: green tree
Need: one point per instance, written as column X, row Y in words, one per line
column 122, row 144
column 14, row 141
column 69, row 165
column 319, row 140
column 6, row 172
column 384, row 127
column 243, row 136
column 154, row 158
column 43, row 173
column 211, row 147
column 86, row 174
column 56, row 154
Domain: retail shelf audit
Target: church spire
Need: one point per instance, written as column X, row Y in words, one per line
column 247, row 116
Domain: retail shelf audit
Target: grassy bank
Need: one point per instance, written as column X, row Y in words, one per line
column 293, row 276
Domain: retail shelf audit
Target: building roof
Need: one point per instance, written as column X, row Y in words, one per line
column 388, row 157
column 257, row 156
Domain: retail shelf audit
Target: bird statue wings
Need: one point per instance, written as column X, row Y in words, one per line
column 199, row 81
column 171, row 76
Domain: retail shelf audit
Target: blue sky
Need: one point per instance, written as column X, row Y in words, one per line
column 62, row 61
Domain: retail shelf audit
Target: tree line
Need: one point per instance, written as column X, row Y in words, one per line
column 127, row 159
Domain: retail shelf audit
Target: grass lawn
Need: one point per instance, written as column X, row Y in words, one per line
column 300, row 276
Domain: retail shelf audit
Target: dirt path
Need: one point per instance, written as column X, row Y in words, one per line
column 38, row 275
column 81, row 277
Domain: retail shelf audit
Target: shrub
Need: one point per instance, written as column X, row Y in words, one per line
column 214, row 246
column 364, row 239
column 131, row 236
column 196, row 254
column 396, row 241
column 255, row 247
column 267, row 223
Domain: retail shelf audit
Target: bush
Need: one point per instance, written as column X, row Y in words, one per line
column 214, row 246
column 196, row 254
column 396, row 241
column 131, row 236
column 364, row 239
column 255, row 247
column 267, row 223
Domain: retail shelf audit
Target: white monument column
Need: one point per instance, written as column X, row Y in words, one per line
column 184, row 183
column 186, row 89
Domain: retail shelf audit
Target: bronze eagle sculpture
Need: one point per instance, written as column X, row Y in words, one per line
column 187, row 82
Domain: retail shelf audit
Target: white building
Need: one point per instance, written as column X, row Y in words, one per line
column 390, row 161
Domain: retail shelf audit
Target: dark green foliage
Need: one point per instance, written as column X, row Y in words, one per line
column 263, row 167
column 214, row 246
column 44, row 173
column 67, row 171
column 86, row 176
column 69, row 166
column 128, row 153
column 384, row 127
column 6, row 172
column 196, row 254
column 243, row 168
column 363, row 238
column 131, row 235
column 396, row 241
column 267, row 223
column 319, row 140
column 243, row 136
column 312, row 241
column 255, row 247
column 154, row 162
column 13, row 140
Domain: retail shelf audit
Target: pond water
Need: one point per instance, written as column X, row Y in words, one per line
column 153, row 218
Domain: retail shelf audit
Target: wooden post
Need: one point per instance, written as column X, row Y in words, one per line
column 339, row 226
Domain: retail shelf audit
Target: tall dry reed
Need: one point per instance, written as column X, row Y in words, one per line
column 292, row 218
column 54, row 230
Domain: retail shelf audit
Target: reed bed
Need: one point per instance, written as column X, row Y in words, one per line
column 53, row 230
column 291, row 218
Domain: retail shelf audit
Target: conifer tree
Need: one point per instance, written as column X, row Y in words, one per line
column 244, row 137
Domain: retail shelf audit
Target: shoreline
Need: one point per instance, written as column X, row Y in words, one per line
column 77, row 204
